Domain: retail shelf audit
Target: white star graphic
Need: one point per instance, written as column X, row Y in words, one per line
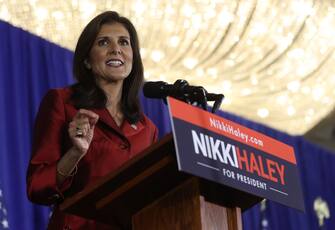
column 265, row 223
column 5, row 223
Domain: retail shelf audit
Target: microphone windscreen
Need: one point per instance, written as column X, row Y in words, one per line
column 155, row 89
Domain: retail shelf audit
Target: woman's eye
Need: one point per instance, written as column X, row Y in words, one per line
column 124, row 42
column 103, row 42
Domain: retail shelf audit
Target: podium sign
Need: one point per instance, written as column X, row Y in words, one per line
column 228, row 153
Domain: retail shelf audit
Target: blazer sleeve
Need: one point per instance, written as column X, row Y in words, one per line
column 50, row 131
column 155, row 135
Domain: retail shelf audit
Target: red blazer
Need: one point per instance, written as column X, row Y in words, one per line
column 110, row 148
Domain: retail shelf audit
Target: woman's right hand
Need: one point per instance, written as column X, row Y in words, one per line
column 81, row 130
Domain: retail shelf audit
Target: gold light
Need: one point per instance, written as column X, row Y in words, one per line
column 273, row 60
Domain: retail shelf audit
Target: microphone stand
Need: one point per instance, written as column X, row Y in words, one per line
column 195, row 95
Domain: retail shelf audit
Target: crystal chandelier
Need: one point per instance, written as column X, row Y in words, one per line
column 273, row 60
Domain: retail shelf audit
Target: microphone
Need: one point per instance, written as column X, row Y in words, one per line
column 183, row 91
column 161, row 89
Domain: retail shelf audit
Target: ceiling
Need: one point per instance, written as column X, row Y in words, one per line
column 272, row 59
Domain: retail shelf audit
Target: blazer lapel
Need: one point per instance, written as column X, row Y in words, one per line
column 126, row 129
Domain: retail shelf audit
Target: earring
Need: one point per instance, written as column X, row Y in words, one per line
column 87, row 65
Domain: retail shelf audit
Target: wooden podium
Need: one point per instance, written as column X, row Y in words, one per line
column 149, row 193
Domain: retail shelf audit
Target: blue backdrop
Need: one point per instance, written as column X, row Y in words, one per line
column 29, row 66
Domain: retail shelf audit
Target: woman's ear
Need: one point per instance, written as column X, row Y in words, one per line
column 87, row 64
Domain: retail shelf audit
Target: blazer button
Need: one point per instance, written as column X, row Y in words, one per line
column 67, row 227
column 55, row 197
column 123, row 146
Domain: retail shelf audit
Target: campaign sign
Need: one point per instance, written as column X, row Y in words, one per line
column 228, row 153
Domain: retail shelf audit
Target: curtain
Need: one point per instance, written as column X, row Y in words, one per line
column 29, row 66
column 317, row 172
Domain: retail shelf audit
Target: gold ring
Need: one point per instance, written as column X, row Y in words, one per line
column 79, row 132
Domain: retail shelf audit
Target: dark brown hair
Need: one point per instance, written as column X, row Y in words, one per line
column 86, row 93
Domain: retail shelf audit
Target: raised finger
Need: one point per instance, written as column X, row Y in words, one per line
column 93, row 117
